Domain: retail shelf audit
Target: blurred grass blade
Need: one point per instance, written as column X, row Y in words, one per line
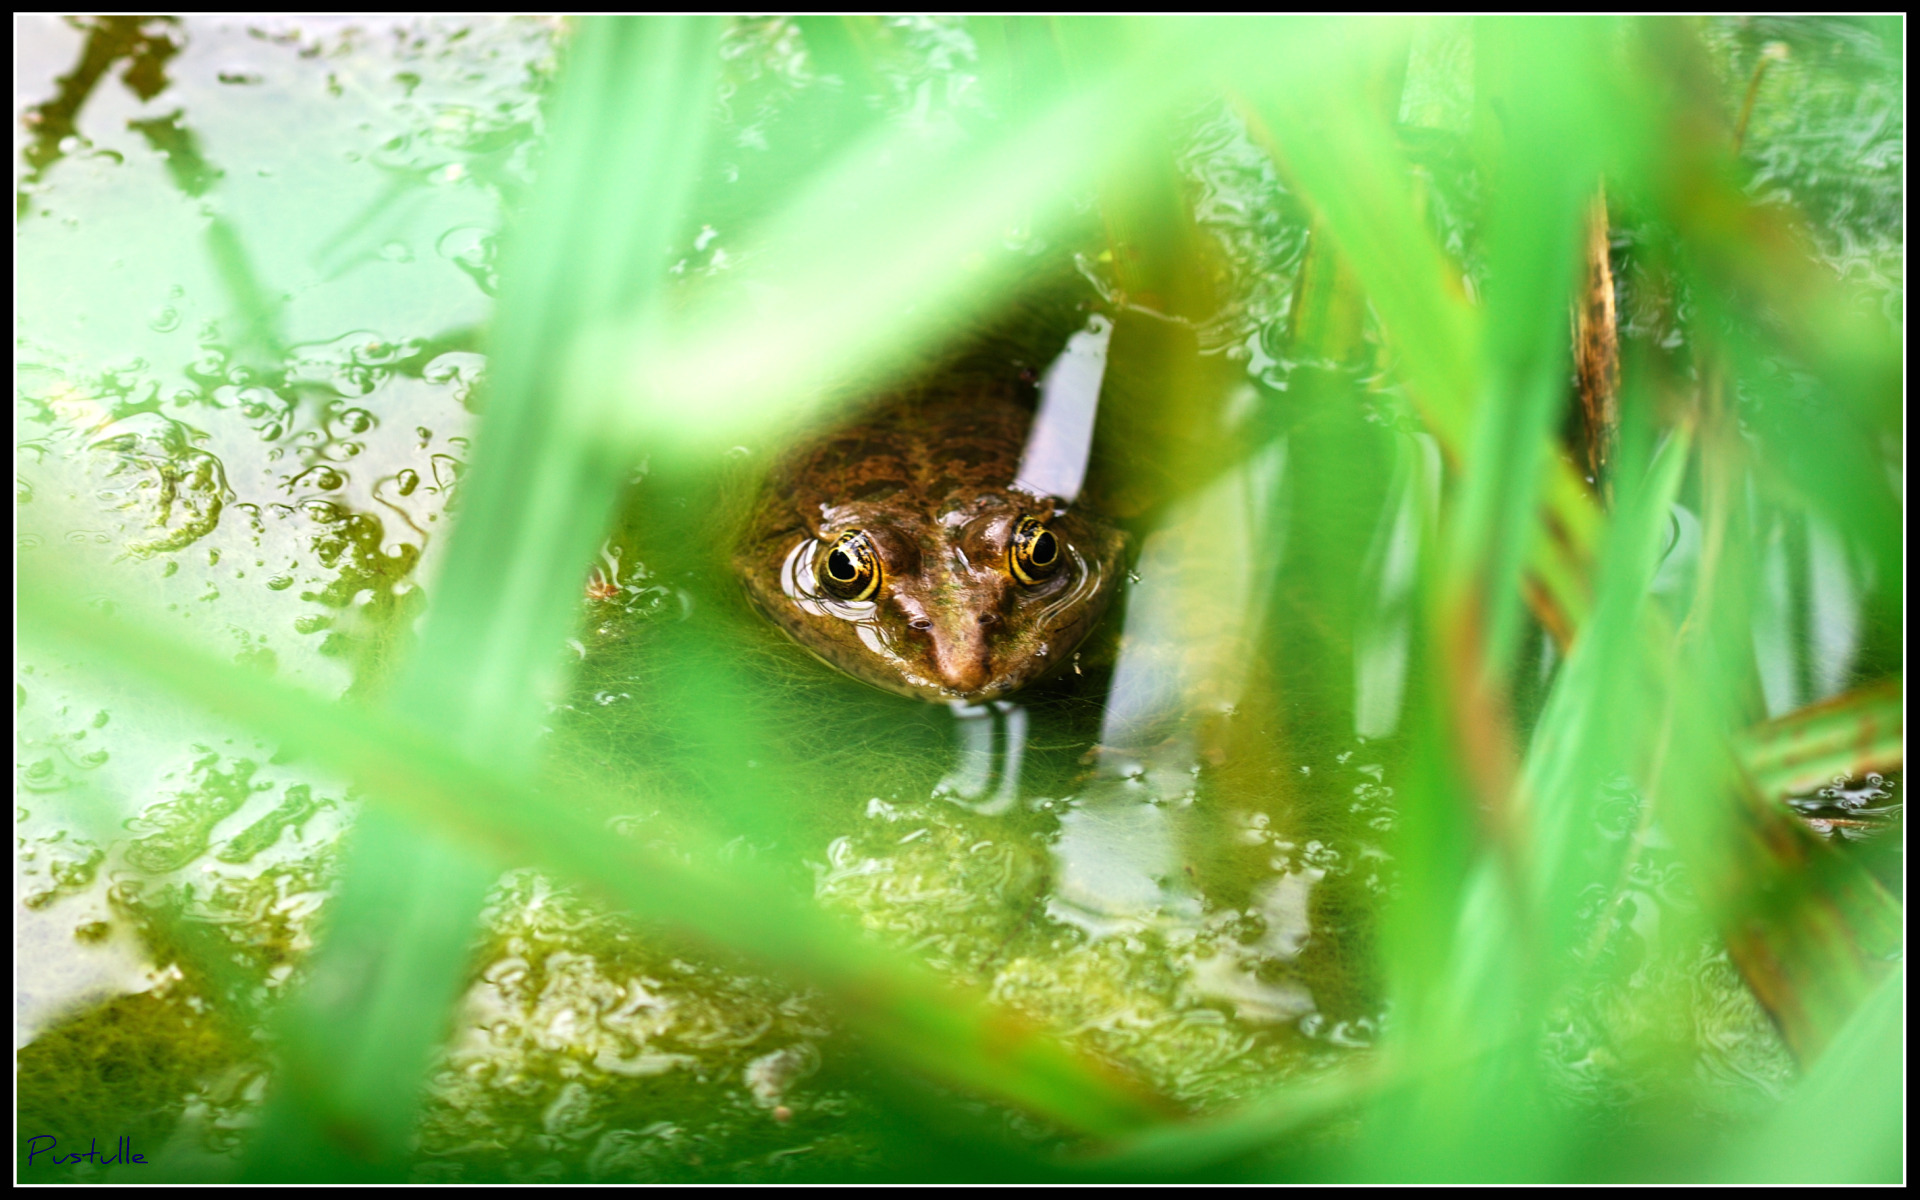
column 1844, row 1122
column 356, row 1040
column 1762, row 288
column 895, row 1004
column 1542, row 173
column 1355, row 179
column 1810, row 929
column 628, row 124
column 1464, row 842
column 628, row 131
column 1843, row 738
column 890, row 245
column 1256, row 1129
column 1602, row 710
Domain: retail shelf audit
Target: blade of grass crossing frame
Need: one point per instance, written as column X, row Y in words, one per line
column 1354, row 177
column 1862, row 1075
column 884, row 250
column 1810, row 929
column 627, row 137
column 1850, row 735
column 1601, row 710
column 894, row 1003
column 628, row 122
column 1481, row 988
column 1533, row 80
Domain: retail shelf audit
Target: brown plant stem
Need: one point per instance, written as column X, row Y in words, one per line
column 1596, row 354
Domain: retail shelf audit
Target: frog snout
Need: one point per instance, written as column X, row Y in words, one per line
column 962, row 653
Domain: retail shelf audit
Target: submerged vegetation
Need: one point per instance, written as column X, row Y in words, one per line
column 1490, row 771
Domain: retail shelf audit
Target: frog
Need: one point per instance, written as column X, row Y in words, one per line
column 901, row 547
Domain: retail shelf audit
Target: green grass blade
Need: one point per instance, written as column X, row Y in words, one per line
column 896, row 1005
column 627, row 139
column 1848, row 736
column 1599, row 715
column 1862, row 1077
column 1538, row 77
column 628, row 123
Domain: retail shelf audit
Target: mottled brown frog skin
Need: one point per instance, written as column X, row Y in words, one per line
column 927, row 476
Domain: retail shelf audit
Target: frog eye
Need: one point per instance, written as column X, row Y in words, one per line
column 850, row 571
column 1035, row 553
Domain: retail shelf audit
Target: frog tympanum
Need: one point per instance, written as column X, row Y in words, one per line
column 899, row 549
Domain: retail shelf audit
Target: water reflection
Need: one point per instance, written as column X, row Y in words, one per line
column 256, row 449
column 974, row 770
column 1247, row 979
column 81, row 955
column 1054, row 462
column 1384, row 629
column 145, row 44
column 1806, row 624
column 1193, row 616
column 1117, row 866
column 1186, row 649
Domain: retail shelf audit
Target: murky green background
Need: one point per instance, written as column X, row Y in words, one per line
column 282, row 487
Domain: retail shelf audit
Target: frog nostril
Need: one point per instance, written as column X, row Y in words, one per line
column 989, row 618
column 920, row 623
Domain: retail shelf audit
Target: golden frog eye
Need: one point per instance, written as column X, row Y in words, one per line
column 849, row 569
column 1035, row 553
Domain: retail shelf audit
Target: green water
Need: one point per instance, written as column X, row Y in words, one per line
column 280, row 486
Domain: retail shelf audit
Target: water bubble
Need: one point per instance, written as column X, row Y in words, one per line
column 650, row 600
column 471, row 245
column 446, row 470
column 165, row 319
column 452, row 367
column 408, row 480
column 398, row 252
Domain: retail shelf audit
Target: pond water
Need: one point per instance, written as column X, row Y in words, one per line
column 1195, row 907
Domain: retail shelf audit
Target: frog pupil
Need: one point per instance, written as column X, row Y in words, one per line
column 841, row 567
column 1035, row 553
